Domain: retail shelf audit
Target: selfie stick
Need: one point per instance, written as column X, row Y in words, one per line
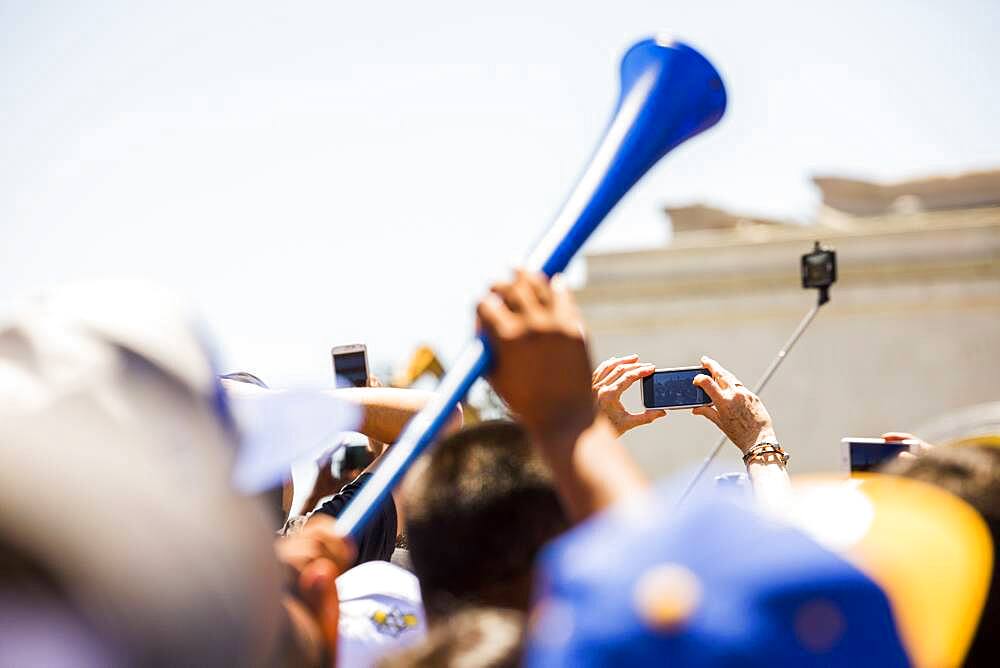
column 669, row 93
column 822, row 298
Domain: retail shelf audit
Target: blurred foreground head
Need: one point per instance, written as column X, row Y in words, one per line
column 118, row 526
column 479, row 508
column 882, row 571
column 971, row 472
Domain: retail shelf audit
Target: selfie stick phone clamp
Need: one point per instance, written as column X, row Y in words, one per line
column 819, row 272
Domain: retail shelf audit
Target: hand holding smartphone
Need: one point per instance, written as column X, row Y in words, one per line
column 673, row 389
column 350, row 365
column 860, row 455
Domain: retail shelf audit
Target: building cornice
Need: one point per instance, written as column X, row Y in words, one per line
column 901, row 248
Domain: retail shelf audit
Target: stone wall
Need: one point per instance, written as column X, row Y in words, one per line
column 912, row 330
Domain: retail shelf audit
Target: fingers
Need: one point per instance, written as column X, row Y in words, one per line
column 708, row 412
column 495, row 317
column 505, row 291
column 712, row 388
column 627, row 375
column 563, row 303
column 328, row 542
column 523, row 297
column 539, row 285
column 639, row 419
column 517, row 296
column 526, row 293
column 541, row 303
column 921, row 446
column 722, row 376
column 714, row 368
column 605, row 367
column 624, row 369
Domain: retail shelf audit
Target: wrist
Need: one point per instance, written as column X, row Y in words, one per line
column 766, row 453
column 565, row 428
column 765, row 435
column 592, row 469
column 549, row 436
column 617, row 426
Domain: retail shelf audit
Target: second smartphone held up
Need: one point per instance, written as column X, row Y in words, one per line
column 672, row 388
column 862, row 455
column 350, row 364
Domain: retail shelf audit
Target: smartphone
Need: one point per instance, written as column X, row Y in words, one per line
column 350, row 365
column 356, row 456
column 859, row 455
column 672, row 388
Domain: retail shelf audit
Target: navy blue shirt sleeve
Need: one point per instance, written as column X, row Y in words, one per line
column 378, row 537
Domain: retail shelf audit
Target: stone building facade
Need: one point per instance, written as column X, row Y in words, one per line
column 912, row 331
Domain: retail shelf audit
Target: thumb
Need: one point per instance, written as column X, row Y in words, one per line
column 708, row 412
column 651, row 415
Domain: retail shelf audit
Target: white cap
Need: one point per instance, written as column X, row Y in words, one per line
column 115, row 478
column 381, row 611
column 281, row 427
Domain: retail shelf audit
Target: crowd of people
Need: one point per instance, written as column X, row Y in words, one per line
column 531, row 540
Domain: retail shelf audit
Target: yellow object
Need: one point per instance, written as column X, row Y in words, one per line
column 930, row 551
column 991, row 440
column 423, row 362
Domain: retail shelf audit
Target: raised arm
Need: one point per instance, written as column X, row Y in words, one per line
column 543, row 372
column 742, row 417
column 388, row 409
column 313, row 559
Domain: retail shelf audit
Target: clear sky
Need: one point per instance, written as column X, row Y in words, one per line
column 315, row 173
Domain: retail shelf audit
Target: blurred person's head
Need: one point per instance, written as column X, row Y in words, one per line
column 478, row 510
column 471, row 638
column 37, row 627
column 116, row 512
column 276, row 499
column 972, row 473
column 882, row 570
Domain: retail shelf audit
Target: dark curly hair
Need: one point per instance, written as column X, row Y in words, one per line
column 478, row 510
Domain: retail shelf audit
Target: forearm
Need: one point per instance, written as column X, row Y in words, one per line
column 592, row 468
column 768, row 476
column 388, row 409
column 303, row 643
column 770, row 483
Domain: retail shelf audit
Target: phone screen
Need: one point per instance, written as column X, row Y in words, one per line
column 356, row 457
column 869, row 456
column 351, row 367
column 673, row 388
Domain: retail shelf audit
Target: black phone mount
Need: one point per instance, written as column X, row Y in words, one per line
column 819, row 271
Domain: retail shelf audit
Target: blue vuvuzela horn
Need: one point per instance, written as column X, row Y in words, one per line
column 669, row 93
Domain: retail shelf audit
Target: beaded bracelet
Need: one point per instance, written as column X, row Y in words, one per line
column 766, row 450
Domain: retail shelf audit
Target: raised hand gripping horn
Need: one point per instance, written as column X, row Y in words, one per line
column 669, row 93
